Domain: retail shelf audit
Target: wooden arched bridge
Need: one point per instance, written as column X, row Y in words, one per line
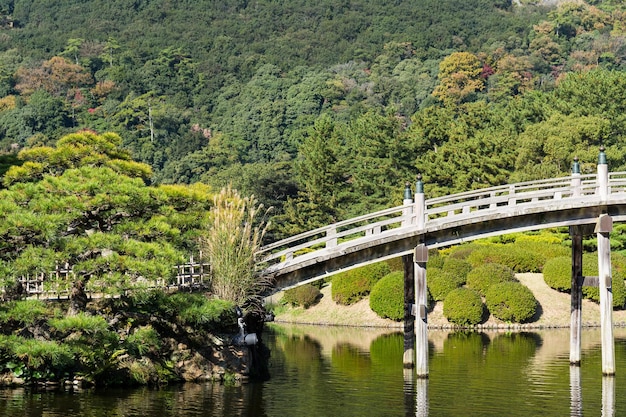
column 587, row 204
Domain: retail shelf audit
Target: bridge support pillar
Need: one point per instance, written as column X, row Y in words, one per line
column 421, row 322
column 576, row 293
column 409, row 319
column 603, row 227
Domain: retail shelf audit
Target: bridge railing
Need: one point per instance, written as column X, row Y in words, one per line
column 444, row 209
column 333, row 234
column 510, row 195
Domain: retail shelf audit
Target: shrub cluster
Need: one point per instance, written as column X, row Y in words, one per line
column 462, row 251
column 304, row 295
column 352, row 286
column 557, row 274
column 511, row 301
column 520, row 258
column 484, row 276
column 457, row 267
column 590, row 268
column 387, row 296
column 441, row 282
column 463, row 306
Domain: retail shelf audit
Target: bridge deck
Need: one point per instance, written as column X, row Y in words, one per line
column 443, row 221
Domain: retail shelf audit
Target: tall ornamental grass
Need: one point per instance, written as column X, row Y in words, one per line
column 231, row 242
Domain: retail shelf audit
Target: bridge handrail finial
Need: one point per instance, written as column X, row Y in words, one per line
column 408, row 194
column 602, row 156
column 419, row 185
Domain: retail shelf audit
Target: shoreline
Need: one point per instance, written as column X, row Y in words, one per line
column 553, row 312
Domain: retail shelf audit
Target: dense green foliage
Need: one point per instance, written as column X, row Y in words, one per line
column 511, row 302
column 463, row 306
column 304, row 295
column 457, row 267
column 321, row 110
column 387, row 296
column 518, row 258
column 84, row 202
column 351, row 286
column 440, row 282
column 483, row 277
column 89, row 346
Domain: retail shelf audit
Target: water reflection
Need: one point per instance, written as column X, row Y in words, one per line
column 608, row 396
column 325, row 371
column 576, row 398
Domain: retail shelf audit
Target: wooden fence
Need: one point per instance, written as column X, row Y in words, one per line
column 57, row 283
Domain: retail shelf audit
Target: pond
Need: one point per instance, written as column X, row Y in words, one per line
column 337, row 371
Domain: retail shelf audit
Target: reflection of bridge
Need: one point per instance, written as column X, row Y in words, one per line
column 577, row 201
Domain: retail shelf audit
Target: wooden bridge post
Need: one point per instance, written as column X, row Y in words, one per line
column 408, row 359
column 420, row 203
column 603, row 175
column 421, row 321
column 603, row 228
column 407, row 212
column 576, row 295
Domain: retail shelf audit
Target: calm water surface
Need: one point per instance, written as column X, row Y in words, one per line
column 325, row 371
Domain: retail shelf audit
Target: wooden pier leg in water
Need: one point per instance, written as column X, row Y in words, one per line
column 576, row 295
column 603, row 227
column 409, row 318
column 421, row 322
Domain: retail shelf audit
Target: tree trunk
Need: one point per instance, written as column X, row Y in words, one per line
column 78, row 297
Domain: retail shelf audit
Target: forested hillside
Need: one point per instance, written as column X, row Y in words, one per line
column 321, row 110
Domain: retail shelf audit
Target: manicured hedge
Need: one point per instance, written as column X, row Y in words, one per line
column 435, row 260
column 441, row 282
column 463, row 306
column 511, row 302
column 387, row 296
column 520, row 258
column 557, row 273
column 304, row 295
column 484, row 276
column 458, row 267
column 618, row 272
column 352, row 286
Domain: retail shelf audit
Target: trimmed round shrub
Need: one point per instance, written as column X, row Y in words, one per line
column 557, row 273
column 435, row 260
column 395, row 264
column 463, row 251
column 458, row 267
column 441, row 282
column 352, row 286
column 484, row 276
column 463, row 306
column 304, row 295
column 387, row 296
column 517, row 257
column 511, row 301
